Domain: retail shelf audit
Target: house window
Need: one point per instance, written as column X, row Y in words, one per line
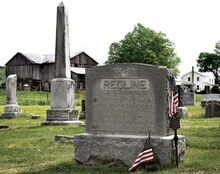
column 197, row 87
column 188, row 78
column 197, row 79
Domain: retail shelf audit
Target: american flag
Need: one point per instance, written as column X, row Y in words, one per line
column 174, row 102
column 145, row 156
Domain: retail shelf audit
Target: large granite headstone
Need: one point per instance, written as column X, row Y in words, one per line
column 123, row 103
column 11, row 109
column 62, row 87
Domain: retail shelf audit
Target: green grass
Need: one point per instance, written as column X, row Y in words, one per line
column 26, row 98
column 26, row 147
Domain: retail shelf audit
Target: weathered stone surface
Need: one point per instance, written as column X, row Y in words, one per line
column 123, row 103
column 212, row 109
column 128, row 95
column 62, row 53
column 62, row 114
column 11, row 88
column 11, row 111
column 62, row 93
column 11, row 108
column 209, row 97
column 99, row 148
column 62, row 87
column 182, row 112
column 189, row 98
column 9, row 115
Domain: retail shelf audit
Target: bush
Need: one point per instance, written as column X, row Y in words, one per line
column 215, row 89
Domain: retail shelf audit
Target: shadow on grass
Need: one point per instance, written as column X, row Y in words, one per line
column 70, row 167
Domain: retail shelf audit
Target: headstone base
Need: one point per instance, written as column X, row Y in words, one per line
column 64, row 114
column 56, row 116
column 123, row 149
column 11, row 111
column 10, row 115
column 11, row 108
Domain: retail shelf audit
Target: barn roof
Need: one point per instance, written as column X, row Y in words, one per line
column 46, row 58
column 78, row 70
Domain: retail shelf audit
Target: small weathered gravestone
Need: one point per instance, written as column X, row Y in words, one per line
column 189, row 98
column 124, row 102
column 11, row 109
column 209, row 97
column 62, row 87
column 212, row 109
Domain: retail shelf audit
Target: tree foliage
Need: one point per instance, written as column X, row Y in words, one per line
column 144, row 45
column 210, row 62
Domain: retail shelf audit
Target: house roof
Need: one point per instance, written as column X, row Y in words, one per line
column 47, row 58
column 78, row 70
column 205, row 74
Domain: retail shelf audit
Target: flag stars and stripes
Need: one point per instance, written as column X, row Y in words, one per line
column 145, row 156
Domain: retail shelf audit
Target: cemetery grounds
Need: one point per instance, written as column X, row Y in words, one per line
column 27, row 147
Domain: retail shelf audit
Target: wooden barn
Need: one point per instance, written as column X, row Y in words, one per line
column 36, row 71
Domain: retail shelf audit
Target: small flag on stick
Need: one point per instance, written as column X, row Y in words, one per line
column 145, row 156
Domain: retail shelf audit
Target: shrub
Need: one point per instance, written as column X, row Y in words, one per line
column 215, row 89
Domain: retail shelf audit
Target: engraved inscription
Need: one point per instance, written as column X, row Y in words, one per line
column 57, row 115
column 124, row 84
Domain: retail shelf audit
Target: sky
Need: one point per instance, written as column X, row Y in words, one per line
column 29, row 26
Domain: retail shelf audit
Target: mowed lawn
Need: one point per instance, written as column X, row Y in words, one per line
column 28, row 147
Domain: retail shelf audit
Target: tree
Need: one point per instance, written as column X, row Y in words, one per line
column 144, row 45
column 210, row 62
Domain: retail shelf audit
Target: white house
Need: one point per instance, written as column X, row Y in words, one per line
column 197, row 81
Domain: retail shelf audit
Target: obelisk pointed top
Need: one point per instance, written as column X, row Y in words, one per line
column 61, row 4
column 62, row 55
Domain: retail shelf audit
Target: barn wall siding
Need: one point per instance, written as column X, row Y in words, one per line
column 29, row 72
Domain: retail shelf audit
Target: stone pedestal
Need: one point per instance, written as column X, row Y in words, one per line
column 99, row 148
column 11, row 111
column 62, row 103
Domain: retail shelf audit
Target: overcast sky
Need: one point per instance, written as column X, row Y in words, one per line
column 29, row 25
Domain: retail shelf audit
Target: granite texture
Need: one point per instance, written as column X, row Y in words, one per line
column 123, row 149
column 62, row 53
column 124, row 102
column 128, row 95
column 62, row 93
column 11, row 109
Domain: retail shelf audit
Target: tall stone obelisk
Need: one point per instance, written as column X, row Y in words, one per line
column 11, row 108
column 62, row 87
